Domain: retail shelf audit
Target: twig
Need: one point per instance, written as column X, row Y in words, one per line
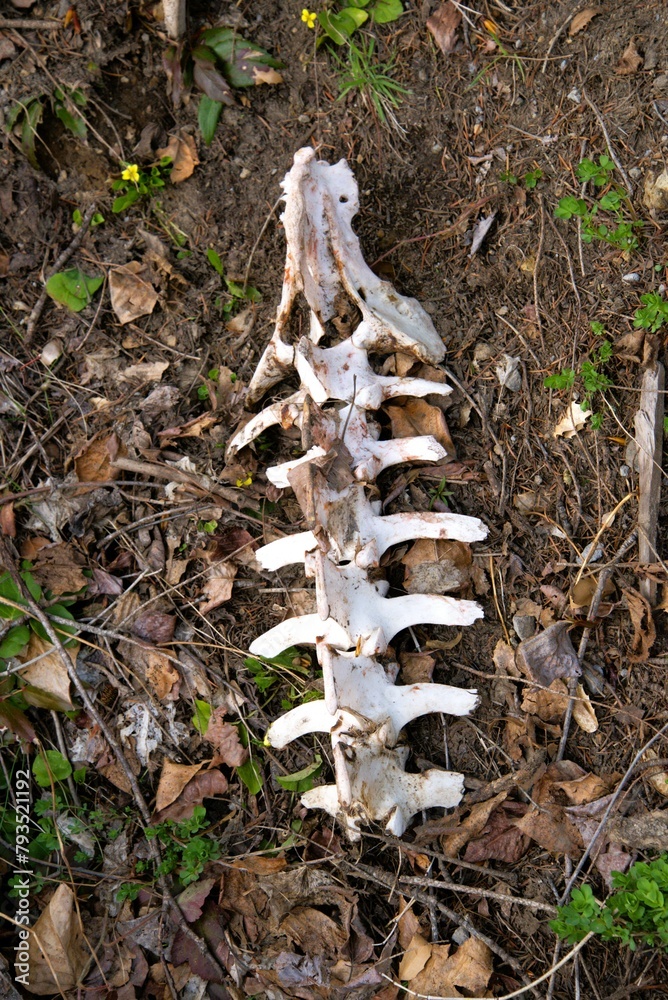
column 257, row 241
column 611, row 148
column 603, row 578
column 555, row 40
column 29, row 23
column 539, row 254
column 33, row 319
column 467, row 890
column 649, row 438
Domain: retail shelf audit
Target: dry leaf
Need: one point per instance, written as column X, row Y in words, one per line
column 657, row 779
column 155, row 626
column 415, row 958
column 58, row 568
column 500, row 840
column 630, row 61
column 549, row 655
column 132, row 294
column 643, row 831
column 443, row 25
column 202, row 785
column 148, row 371
column 94, row 462
column 182, row 150
column 582, row 19
column 8, row 520
column 582, row 789
column 417, row 417
column 474, row 823
column 436, row 567
column 173, row 780
column 416, row 668
column 572, row 421
column 547, row 705
column 243, row 322
column 550, row 828
column 408, row 924
column 469, row 968
column 218, row 586
column 644, row 630
column 48, row 681
column 225, row 738
column 59, row 933
column 583, row 711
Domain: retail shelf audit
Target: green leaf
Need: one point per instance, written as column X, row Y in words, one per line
column 208, row 78
column 50, row 763
column 15, row 640
column 244, row 63
column 79, row 775
column 72, row 288
column 32, row 118
column 570, row 206
column 74, row 123
column 125, row 200
column 564, row 380
column 10, row 591
column 386, row 11
column 215, row 261
column 208, row 113
column 302, row 781
column 597, row 328
column 340, row 28
column 202, row 716
column 251, row 776
column 31, row 583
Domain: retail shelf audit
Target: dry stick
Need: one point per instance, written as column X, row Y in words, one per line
column 539, row 254
column 554, row 42
column 649, row 438
column 467, row 890
column 28, row 23
column 33, row 319
column 604, row 576
column 611, row 148
column 257, row 241
column 378, row 875
column 7, row 560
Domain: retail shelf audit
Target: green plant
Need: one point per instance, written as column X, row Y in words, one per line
column 440, row 492
column 618, row 231
column 593, row 378
column 653, row 314
column 341, row 24
column 72, row 288
column 77, row 219
column 635, row 914
column 531, row 178
column 135, row 183
column 28, row 115
column 301, row 781
column 380, row 93
column 183, row 851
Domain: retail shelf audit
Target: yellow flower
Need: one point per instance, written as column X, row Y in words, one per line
column 309, row 17
column 244, row 482
column 131, row 173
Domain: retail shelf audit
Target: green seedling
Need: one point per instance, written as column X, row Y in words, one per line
column 617, row 231
column 531, row 178
column 439, row 492
column 592, row 377
column 72, row 288
column 379, row 92
column 184, row 851
column 635, row 914
column 29, row 113
column 653, row 314
column 77, row 219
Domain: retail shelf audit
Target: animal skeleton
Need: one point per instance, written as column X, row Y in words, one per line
column 363, row 709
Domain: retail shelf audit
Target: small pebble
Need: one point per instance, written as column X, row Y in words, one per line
column 624, row 471
column 304, row 119
column 245, row 174
column 575, row 96
column 632, row 278
column 635, row 173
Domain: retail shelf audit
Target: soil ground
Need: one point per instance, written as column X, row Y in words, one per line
column 87, row 441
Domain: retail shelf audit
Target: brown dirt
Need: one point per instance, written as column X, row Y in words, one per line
column 530, row 292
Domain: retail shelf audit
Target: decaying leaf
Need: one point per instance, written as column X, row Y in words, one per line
column 436, row 567
column 572, row 421
column 547, row 704
column 658, row 779
column 57, row 946
column 443, row 25
column 154, row 626
column 417, row 417
column 469, row 968
column 218, row 585
column 583, row 711
column 94, row 462
column 476, row 821
column 147, row 371
column 416, row 668
column 509, row 373
column 415, row 958
column 224, row 737
column 182, row 151
column 132, row 294
column 548, row 655
column 582, row 19
column 48, row 681
column 500, row 839
column 184, row 786
column 630, row 60
column 480, row 232
column 644, row 630
column 59, row 569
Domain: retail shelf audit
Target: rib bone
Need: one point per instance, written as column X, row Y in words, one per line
column 363, row 709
